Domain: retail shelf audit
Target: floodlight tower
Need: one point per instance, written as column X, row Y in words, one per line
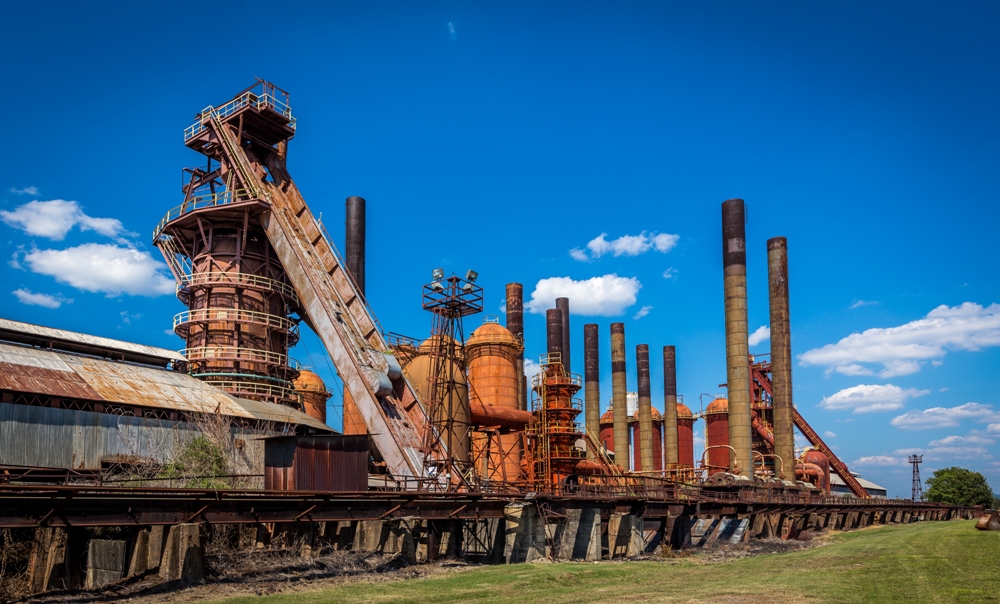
column 449, row 299
column 918, row 492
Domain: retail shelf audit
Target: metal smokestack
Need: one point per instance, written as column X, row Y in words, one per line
column 645, row 409
column 618, row 394
column 563, row 305
column 781, row 355
column 354, row 252
column 592, row 381
column 671, row 454
column 515, row 324
column 553, row 332
column 734, row 263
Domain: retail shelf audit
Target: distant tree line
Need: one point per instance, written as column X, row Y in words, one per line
column 959, row 486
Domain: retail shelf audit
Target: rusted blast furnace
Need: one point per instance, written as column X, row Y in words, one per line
column 553, row 455
column 314, row 394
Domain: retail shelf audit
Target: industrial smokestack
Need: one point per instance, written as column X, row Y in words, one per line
column 553, row 332
column 734, row 263
column 619, row 393
column 354, row 252
column 781, row 355
column 563, row 305
column 670, row 448
column 645, row 409
column 592, row 381
column 515, row 324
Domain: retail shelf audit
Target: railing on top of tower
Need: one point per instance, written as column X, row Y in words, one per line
column 261, row 95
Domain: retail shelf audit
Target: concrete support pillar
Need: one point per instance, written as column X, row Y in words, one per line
column 369, row 535
column 400, row 539
column 525, row 534
column 625, row 536
column 619, row 390
column 105, row 562
column 183, row 554
column 579, row 535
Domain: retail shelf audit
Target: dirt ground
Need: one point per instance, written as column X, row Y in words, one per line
column 270, row 572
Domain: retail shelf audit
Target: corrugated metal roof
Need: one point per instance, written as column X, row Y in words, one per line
column 59, row 374
column 867, row 484
column 62, row 339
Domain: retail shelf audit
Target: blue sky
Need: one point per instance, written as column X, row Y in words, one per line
column 503, row 137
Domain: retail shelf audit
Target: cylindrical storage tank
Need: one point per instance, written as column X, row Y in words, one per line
column 717, row 434
column 817, row 457
column 607, row 435
column 685, row 436
column 314, row 394
column 492, row 353
column 451, row 417
column 657, row 421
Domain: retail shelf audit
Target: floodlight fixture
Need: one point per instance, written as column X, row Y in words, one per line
column 471, row 276
column 467, row 287
column 436, row 286
column 438, row 274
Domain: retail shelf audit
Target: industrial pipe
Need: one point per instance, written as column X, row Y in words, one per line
column 670, row 440
column 553, row 333
column 645, row 409
column 586, row 466
column 762, row 430
column 563, row 305
column 803, row 470
column 499, row 417
column 592, row 382
column 619, row 393
column 781, row 347
column 515, row 324
column 734, row 264
column 354, row 240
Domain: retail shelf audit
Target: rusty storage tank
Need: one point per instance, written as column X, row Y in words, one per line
column 607, row 434
column 314, row 394
column 657, row 421
column 818, row 458
column 685, row 436
column 491, row 355
column 717, row 433
column 452, row 416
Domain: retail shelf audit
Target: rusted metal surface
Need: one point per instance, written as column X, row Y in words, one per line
column 71, row 341
column 316, row 463
column 645, row 409
column 515, row 324
column 619, row 392
column 554, row 333
column 989, row 521
column 592, row 380
column 563, row 305
column 781, row 348
column 492, row 354
column 717, row 435
column 670, row 427
column 685, row 436
column 354, row 241
column 737, row 331
column 314, row 394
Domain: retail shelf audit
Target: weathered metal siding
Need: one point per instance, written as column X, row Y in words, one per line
column 316, row 463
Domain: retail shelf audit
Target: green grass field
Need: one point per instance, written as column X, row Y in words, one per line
column 926, row 562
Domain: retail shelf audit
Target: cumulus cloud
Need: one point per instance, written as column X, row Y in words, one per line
column 993, row 428
column 25, row 191
column 879, row 460
column 53, row 219
column 642, row 312
column 763, row 333
column 860, row 303
column 865, row 398
column 25, row 296
column 670, row 273
column 972, row 439
column 531, row 369
column 605, row 296
column 104, row 268
column 901, row 350
column 945, row 417
column 626, row 245
column 829, row 434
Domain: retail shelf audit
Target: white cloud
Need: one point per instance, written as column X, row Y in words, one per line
column 503, row 307
column 31, row 298
column 945, row 417
column 642, row 312
column 860, row 303
column 605, row 296
column 25, row 191
column 972, row 439
column 670, row 273
column 829, row 434
column 451, row 30
column 127, row 316
column 879, row 460
column 626, row 245
column 763, row 333
column 104, row 268
column 901, row 350
column 865, row 398
column 994, row 428
column 531, row 369
column 169, row 332
column 53, row 219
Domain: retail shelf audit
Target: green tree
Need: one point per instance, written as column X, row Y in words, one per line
column 201, row 465
column 958, row 486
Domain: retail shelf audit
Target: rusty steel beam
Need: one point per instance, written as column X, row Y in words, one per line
column 619, row 390
column 781, row 351
column 645, row 409
column 670, row 446
column 553, row 333
column 734, row 263
column 515, row 324
column 592, row 381
column 563, row 305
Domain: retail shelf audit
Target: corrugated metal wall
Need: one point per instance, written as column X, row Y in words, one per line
column 316, row 463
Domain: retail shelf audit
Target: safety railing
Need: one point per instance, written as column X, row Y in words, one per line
column 198, row 202
column 236, row 353
column 249, row 98
column 208, row 315
column 241, row 280
column 256, row 389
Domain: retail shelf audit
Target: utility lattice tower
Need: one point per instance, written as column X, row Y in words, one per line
column 918, row 492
